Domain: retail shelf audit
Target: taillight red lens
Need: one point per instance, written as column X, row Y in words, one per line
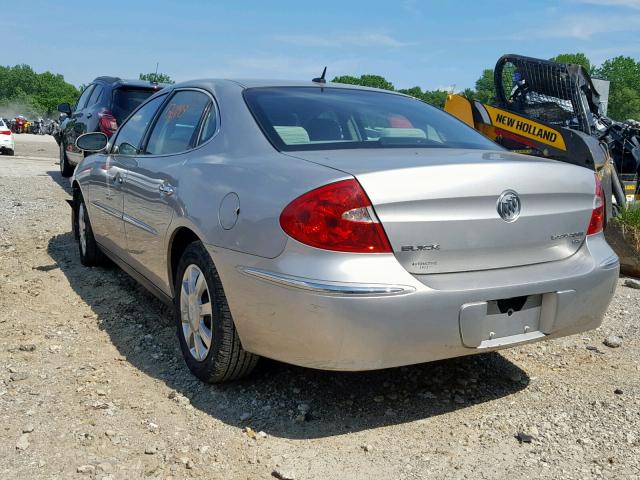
column 596, row 224
column 335, row 217
column 5, row 132
column 107, row 123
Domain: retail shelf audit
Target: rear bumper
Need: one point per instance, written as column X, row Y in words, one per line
column 395, row 318
column 6, row 142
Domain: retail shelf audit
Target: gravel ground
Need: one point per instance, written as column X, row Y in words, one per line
column 92, row 384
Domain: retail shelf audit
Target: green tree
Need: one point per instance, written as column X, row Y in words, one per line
column 468, row 93
column 624, row 91
column 576, row 58
column 374, row 81
column 413, row 91
column 156, row 77
column 485, row 88
column 22, row 90
column 624, row 104
column 437, row 98
column 432, row 97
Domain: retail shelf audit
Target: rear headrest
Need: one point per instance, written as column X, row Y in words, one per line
column 323, row 129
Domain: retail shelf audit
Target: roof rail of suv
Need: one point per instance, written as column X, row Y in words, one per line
column 109, row 79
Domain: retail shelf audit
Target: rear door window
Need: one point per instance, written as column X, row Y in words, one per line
column 95, row 96
column 130, row 135
column 176, row 129
column 210, row 124
column 82, row 101
column 126, row 100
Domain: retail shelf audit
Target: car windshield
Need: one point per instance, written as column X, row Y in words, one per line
column 312, row 118
column 126, row 100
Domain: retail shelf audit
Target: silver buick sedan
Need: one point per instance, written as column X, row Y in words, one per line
column 338, row 227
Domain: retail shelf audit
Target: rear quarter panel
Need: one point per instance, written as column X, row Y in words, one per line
column 240, row 160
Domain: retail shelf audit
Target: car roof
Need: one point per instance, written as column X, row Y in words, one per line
column 122, row 82
column 264, row 83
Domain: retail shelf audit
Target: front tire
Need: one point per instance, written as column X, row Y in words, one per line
column 208, row 338
column 66, row 169
column 90, row 253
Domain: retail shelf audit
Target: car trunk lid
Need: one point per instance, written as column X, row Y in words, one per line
column 439, row 206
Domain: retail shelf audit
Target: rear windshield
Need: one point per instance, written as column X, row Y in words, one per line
column 126, row 100
column 311, row 118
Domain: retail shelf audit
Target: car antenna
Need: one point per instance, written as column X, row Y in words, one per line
column 321, row 78
column 154, row 80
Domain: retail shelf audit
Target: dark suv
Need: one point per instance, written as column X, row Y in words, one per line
column 103, row 105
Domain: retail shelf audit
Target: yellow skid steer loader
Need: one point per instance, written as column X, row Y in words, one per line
column 553, row 110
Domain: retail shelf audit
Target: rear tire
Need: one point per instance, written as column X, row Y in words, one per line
column 90, row 253
column 202, row 316
column 66, row 169
column 9, row 152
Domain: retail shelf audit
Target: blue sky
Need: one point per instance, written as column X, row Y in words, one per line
column 432, row 44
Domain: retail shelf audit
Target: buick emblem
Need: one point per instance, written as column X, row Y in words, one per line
column 509, row 206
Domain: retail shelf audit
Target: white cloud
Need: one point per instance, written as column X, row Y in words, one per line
column 584, row 27
column 362, row 39
column 612, row 3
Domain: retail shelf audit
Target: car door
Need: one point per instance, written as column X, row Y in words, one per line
column 109, row 176
column 75, row 126
column 153, row 182
column 92, row 109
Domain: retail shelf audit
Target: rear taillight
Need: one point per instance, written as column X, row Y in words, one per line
column 5, row 132
column 596, row 224
column 336, row 217
column 107, row 123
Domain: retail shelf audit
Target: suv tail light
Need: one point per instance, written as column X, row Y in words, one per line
column 596, row 224
column 107, row 123
column 5, row 132
column 336, row 217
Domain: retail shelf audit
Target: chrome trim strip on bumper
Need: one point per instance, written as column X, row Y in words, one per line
column 328, row 288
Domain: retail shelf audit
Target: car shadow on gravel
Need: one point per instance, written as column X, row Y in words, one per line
column 279, row 399
column 60, row 180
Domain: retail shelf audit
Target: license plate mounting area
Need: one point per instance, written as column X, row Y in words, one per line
column 500, row 322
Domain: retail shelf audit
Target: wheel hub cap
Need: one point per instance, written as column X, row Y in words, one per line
column 82, row 229
column 195, row 312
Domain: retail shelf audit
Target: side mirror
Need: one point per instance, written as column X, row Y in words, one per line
column 64, row 108
column 92, row 142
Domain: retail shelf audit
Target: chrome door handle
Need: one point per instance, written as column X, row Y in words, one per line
column 117, row 178
column 166, row 189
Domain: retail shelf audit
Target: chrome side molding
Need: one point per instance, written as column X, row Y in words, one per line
column 328, row 288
